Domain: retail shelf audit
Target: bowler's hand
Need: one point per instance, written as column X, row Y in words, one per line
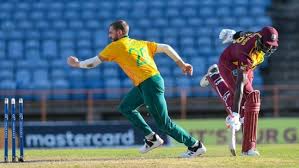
column 73, row 61
column 186, row 68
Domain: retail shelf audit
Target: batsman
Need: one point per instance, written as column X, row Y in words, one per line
column 232, row 80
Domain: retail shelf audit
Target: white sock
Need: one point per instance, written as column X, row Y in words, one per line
column 150, row 136
column 196, row 144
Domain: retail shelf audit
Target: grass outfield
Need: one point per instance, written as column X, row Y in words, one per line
column 281, row 155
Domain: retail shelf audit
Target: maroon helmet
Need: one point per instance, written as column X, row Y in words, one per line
column 268, row 43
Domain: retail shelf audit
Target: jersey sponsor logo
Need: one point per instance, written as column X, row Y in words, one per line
column 142, row 57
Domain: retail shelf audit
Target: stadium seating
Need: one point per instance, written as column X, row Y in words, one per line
column 36, row 38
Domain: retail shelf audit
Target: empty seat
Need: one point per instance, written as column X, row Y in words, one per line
column 7, row 74
column 32, row 44
column 206, row 12
column 7, row 84
column 6, row 65
column 240, row 11
column 57, row 74
column 40, row 75
column 165, row 71
column 15, row 49
column 223, row 11
column 127, row 83
column 112, row 86
column 23, row 79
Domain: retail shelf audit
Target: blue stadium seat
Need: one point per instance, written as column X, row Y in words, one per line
column 127, row 83
column 257, row 11
column 24, row 64
column 72, row 5
column 7, row 84
column 24, row 24
column 23, row 79
column 32, row 44
column 41, row 84
column 155, row 13
column 111, row 84
column 65, row 52
column 189, row 12
column 93, row 24
column 67, row 44
column 161, row 23
column 84, row 44
column 33, row 34
column 263, row 21
column 194, row 21
column 206, row 12
column 57, row 74
column 84, row 35
column 240, row 11
column 189, row 52
column 58, row 5
column 6, row 65
column 246, row 22
column 223, row 11
column 211, row 21
column 85, row 53
column 42, row 24
column 59, row 64
column 178, row 22
column 67, row 34
column 59, row 24
column 184, row 83
column 55, row 14
column 40, row 5
column 123, row 5
column 95, row 84
column 172, row 12
column 50, row 34
column 60, row 84
column 228, row 21
column 7, row 74
column 170, row 85
column 71, row 14
column 15, row 49
column 100, row 39
column 36, row 15
column 32, row 54
column 40, row 75
column 165, row 71
column 110, row 72
column 76, row 24
column 242, row 2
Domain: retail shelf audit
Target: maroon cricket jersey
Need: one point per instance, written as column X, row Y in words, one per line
column 242, row 53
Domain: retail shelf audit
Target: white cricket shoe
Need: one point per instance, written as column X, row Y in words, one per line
column 251, row 152
column 194, row 151
column 204, row 82
column 151, row 144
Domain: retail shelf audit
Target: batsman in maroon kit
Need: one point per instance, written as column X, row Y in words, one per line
column 232, row 79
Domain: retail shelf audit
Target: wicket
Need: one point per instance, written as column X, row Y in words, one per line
column 13, row 129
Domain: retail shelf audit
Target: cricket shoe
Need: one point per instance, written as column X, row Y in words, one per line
column 204, row 82
column 251, row 152
column 155, row 142
column 192, row 152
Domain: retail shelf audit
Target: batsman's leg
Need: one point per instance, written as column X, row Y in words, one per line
column 214, row 78
column 252, row 108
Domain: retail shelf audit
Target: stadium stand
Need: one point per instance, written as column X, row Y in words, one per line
column 36, row 38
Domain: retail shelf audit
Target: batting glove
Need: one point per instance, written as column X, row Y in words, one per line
column 226, row 35
column 233, row 121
